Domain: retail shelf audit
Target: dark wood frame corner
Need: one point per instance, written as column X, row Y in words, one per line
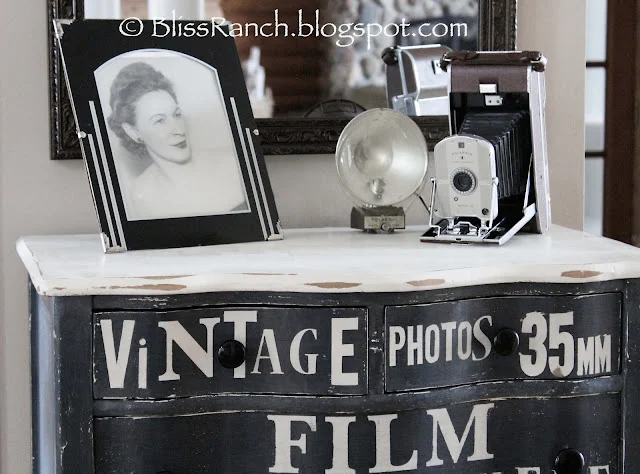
column 294, row 136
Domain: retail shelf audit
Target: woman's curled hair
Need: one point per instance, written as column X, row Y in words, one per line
column 132, row 82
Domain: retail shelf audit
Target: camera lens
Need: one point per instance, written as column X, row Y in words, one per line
column 463, row 181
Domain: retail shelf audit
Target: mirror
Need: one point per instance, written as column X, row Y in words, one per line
column 324, row 49
column 288, row 76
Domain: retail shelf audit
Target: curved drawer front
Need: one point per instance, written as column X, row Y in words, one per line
column 487, row 339
column 507, row 436
column 319, row 351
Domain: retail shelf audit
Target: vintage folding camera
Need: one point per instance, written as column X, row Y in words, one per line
column 491, row 176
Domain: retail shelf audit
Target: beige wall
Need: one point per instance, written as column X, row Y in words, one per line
column 558, row 29
column 38, row 196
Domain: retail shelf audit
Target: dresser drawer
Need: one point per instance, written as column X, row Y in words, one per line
column 279, row 350
column 487, row 339
column 510, row 436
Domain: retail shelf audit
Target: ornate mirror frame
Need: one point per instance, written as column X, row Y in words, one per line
column 291, row 136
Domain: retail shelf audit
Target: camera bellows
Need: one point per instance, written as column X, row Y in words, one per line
column 491, row 175
column 510, row 135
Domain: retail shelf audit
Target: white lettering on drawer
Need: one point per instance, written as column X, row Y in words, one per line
column 340, row 350
column 427, row 344
column 199, row 356
column 269, row 351
column 545, row 343
column 240, row 320
column 294, row 353
column 117, row 363
column 448, row 441
column 593, row 353
column 442, row 427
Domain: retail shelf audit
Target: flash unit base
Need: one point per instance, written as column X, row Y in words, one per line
column 383, row 220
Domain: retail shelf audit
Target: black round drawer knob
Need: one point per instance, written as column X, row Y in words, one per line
column 569, row 461
column 506, row 342
column 231, row 354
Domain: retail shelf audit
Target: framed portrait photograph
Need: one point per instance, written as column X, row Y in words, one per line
column 167, row 134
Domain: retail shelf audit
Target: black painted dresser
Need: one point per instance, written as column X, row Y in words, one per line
column 336, row 352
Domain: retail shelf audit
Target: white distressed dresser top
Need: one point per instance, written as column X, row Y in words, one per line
column 323, row 261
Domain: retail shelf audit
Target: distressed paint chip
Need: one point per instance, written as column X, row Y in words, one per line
column 432, row 282
column 159, row 287
column 334, row 285
column 581, row 274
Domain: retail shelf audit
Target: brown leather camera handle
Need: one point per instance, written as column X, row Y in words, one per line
column 535, row 59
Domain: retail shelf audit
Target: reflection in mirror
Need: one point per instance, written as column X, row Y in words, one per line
column 416, row 84
column 320, row 49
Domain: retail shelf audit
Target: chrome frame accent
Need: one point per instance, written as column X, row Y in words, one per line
column 249, row 169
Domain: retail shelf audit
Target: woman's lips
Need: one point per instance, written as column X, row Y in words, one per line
column 182, row 145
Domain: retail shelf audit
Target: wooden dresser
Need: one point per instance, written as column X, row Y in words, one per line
column 336, row 352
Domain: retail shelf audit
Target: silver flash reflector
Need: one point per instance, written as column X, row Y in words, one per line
column 381, row 158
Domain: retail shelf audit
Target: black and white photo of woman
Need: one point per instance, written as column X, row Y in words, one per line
column 170, row 136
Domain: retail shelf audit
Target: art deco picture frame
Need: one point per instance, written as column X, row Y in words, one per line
column 168, row 137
